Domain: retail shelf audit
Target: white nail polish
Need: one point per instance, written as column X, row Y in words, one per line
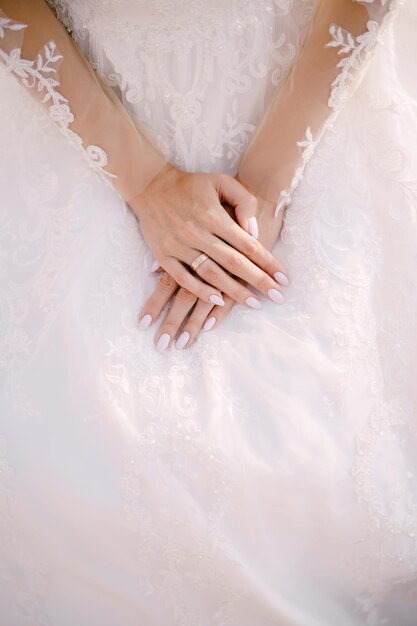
column 182, row 340
column 281, row 278
column 145, row 322
column 254, row 303
column 209, row 323
column 218, row 300
column 155, row 266
column 253, row 227
column 276, row 296
column 163, row 342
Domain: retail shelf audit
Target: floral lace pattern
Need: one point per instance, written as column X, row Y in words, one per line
column 41, row 75
column 357, row 51
column 237, row 42
column 368, row 346
column 206, row 448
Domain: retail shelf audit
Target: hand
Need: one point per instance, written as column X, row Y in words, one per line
column 192, row 315
column 181, row 216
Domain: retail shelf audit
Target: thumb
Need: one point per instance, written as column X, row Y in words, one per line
column 244, row 203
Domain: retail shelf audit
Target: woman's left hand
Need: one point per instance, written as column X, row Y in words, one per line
column 188, row 315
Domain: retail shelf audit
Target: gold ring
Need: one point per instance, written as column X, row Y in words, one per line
column 198, row 261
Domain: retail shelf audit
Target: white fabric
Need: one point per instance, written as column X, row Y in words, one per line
column 333, row 57
column 267, row 475
column 37, row 49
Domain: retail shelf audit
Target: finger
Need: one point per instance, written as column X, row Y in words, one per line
column 155, row 266
column 183, row 303
column 193, row 325
column 192, row 283
column 154, row 306
column 217, row 314
column 244, row 203
column 226, row 229
column 213, row 274
column 239, row 266
column 257, row 253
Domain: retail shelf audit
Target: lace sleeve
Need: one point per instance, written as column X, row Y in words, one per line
column 331, row 61
column 39, row 52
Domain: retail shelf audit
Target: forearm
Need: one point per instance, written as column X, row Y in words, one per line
column 328, row 65
column 75, row 98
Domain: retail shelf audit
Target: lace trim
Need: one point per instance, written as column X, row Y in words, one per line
column 41, row 74
column 358, row 51
column 262, row 56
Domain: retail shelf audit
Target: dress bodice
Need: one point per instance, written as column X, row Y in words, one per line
column 198, row 74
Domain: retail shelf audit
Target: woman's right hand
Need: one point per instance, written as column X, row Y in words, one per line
column 181, row 216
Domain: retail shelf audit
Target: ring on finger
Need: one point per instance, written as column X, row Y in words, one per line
column 198, row 261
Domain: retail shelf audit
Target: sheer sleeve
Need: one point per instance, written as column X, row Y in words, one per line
column 332, row 59
column 37, row 49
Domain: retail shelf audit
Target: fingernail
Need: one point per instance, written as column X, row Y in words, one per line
column 254, row 303
column 214, row 299
column 253, row 227
column 163, row 342
column 281, row 278
column 209, row 323
column 155, row 266
column 276, row 296
column 182, row 340
column 145, row 322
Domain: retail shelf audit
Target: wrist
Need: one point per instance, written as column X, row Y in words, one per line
column 266, row 205
column 164, row 179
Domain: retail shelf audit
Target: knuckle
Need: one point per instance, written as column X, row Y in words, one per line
column 186, row 296
column 210, row 274
column 170, row 324
column 234, row 264
column 250, row 248
column 262, row 283
column 166, row 282
column 194, row 288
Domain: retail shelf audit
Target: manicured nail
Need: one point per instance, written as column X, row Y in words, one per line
column 254, row 303
column 217, row 300
column 182, row 340
column 281, row 278
column 276, row 296
column 209, row 323
column 155, row 266
column 253, row 227
column 163, row 342
column 145, row 322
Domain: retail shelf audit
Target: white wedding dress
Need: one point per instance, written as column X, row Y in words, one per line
column 267, row 475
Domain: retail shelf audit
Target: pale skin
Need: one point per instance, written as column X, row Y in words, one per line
column 181, row 216
column 188, row 315
column 285, row 120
